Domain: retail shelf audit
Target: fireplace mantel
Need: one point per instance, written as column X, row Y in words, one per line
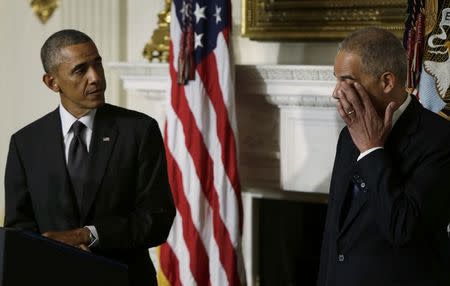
column 288, row 125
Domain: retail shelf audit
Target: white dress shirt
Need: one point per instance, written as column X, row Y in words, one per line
column 67, row 120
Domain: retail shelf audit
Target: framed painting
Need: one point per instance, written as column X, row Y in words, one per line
column 318, row 20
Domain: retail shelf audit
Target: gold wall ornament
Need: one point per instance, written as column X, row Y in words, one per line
column 157, row 49
column 318, row 20
column 44, row 8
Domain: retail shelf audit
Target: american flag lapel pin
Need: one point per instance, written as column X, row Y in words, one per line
column 105, row 139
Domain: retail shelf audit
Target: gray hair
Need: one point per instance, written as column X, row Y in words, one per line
column 50, row 51
column 379, row 50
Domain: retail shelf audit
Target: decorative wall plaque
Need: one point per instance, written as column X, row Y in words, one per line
column 319, row 20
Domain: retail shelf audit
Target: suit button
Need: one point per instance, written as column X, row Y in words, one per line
column 341, row 257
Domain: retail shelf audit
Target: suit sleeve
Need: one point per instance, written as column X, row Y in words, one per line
column 149, row 223
column 18, row 208
column 408, row 203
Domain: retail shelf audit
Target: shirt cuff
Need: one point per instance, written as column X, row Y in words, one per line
column 367, row 152
column 93, row 231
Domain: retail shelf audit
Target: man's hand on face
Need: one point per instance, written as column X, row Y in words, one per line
column 78, row 237
column 367, row 128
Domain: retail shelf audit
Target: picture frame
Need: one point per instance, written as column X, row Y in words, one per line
column 318, row 20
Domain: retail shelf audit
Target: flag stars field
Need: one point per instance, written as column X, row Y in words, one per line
column 198, row 40
column 217, row 14
column 199, row 12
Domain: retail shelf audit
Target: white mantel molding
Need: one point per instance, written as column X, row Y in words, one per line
column 288, row 85
column 288, row 72
column 141, row 69
column 151, row 80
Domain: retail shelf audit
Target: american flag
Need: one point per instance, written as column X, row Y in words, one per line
column 203, row 247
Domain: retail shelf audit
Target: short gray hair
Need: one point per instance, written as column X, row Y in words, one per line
column 50, row 51
column 380, row 51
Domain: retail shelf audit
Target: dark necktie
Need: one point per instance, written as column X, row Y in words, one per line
column 77, row 160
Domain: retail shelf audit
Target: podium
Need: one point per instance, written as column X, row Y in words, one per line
column 29, row 259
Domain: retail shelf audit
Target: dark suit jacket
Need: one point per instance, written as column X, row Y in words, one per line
column 395, row 230
column 126, row 196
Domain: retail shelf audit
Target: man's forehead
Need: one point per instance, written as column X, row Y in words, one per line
column 347, row 61
column 79, row 52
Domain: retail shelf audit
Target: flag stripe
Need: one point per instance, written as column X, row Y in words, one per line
column 169, row 260
column 201, row 211
column 176, row 242
column 175, row 34
column 210, row 75
column 224, row 76
column 204, row 166
column 206, row 119
column 199, row 259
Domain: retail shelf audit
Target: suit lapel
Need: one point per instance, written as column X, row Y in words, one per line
column 358, row 202
column 59, row 184
column 344, row 182
column 104, row 136
column 399, row 139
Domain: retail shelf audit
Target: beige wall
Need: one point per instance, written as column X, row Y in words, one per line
column 141, row 22
column 23, row 96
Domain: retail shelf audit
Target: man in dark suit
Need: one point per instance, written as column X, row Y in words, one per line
column 90, row 174
column 389, row 201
